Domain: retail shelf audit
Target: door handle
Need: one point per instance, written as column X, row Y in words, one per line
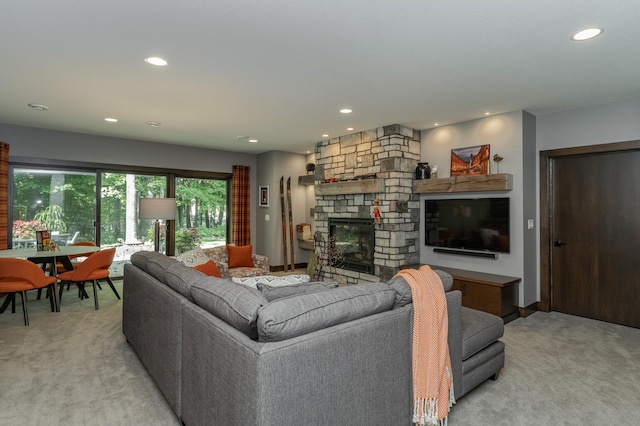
column 559, row 243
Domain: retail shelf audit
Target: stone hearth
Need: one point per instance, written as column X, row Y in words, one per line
column 387, row 156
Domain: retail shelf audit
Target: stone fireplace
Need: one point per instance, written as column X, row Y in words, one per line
column 352, row 171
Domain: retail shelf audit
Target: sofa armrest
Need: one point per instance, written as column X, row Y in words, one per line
column 454, row 312
column 223, row 267
column 262, row 262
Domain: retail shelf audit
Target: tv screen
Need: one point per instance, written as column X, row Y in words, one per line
column 468, row 224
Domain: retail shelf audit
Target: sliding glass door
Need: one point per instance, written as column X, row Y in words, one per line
column 102, row 206
column 201, row 213
column 60, row 201
column 119, row 209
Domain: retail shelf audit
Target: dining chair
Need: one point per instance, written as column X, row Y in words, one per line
column 94, row 268
column 75, row 260
column 20, row 276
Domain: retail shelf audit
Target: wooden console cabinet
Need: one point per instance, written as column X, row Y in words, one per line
column 496, row 294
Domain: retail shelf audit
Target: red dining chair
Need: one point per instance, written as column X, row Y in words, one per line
column 20, row 276
column 95, row 268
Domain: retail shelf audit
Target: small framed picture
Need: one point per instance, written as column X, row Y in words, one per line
column 263, row 196
column 473, row 160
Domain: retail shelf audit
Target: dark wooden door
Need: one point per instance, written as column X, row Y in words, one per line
column 595, row 236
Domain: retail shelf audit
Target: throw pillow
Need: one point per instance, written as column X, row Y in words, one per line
column 278, row 292
column 193, row 257
column 240, row 256
column 210, row 268
column 271, row 280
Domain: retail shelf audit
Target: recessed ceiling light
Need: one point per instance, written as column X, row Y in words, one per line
column 153, row 124
column 325, row 135
column 436, row 124
column 587, row 34
column 154, row 60
column 111, row 120
column 349, row 128
column 38, row 107
column 487, row 113
column 253, row 140
column 346, row 111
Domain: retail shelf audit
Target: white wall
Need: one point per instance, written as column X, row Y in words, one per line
column 505, row 135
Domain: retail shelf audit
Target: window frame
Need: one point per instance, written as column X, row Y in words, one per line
column 100, row 168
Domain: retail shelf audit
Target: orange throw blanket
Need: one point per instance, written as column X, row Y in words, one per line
column 432, row 376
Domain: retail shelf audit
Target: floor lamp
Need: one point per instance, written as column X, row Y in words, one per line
column 157, row 208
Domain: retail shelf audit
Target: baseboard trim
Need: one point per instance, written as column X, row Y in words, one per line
column 528, row 310
column 280, row 268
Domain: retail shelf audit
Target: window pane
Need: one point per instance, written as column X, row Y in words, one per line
column 62, row 202
column 201, row 213
column 120, row 224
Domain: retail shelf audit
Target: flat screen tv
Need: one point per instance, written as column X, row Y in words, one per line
column 480, row 224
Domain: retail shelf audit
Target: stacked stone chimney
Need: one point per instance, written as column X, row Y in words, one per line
column 391, row 154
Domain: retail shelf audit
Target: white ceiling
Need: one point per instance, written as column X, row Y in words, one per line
column 279, row 70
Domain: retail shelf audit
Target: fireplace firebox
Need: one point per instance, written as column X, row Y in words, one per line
column 355, row 240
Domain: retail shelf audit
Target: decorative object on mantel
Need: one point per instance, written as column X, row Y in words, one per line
column 311, row 168
column 473, row 160
column 434, row 172
column 423, row 171
column 497, row 158
column 375, row 212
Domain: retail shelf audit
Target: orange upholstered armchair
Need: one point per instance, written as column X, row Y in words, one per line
column 20, row 276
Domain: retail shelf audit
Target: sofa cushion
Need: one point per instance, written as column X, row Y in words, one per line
column 240, row 256
column 271, row 280
column 479, row 330
column 280, row 291
column 180, row 278
column 193, row 257
column 403, row 290
column 294, row 316
column 237, row 305
column 209, row 268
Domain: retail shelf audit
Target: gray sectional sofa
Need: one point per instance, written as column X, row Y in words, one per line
column 222, row 354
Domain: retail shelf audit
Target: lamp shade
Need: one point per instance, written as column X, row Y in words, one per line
column 157, row 208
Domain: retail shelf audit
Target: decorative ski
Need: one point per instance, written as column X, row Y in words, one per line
column 284, row 223
column 290, row 223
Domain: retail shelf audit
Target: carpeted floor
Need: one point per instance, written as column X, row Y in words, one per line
column 75, row 368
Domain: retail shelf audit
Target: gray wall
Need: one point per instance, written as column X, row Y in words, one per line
column 272, row 166
column 506, row 135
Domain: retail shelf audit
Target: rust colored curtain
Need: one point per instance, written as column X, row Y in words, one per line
column 4, row 194
column 241, row 206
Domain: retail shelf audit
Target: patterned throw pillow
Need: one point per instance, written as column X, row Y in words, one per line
column 271, row 280
column 193, row 258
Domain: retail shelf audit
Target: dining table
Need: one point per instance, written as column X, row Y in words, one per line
column 60, row 254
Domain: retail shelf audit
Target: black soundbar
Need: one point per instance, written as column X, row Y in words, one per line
column 488, row 255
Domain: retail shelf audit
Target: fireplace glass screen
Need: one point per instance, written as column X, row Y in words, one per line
column 354, row 240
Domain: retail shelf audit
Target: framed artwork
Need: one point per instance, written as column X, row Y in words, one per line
column 263, row 196
column 473, row 160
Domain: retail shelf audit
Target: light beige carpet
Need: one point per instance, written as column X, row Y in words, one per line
column 75, row 368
